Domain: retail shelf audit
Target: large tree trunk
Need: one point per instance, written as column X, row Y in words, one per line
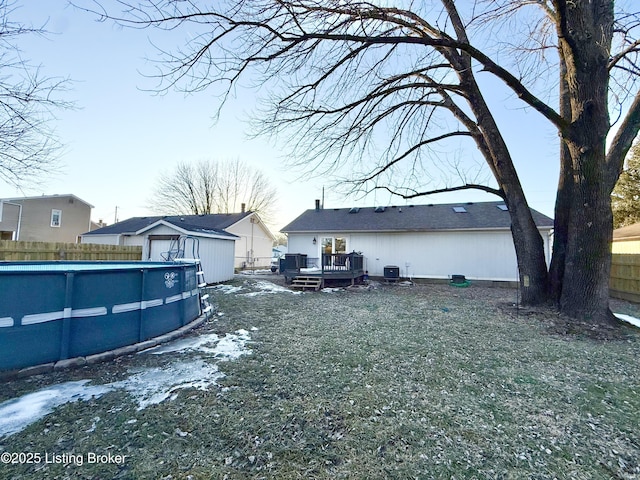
column 585, row 284
column 532, row 267
column 562, row 210
column 528, row 243
column 585, row 30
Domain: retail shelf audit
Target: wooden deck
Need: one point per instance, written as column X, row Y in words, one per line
column 334, row 267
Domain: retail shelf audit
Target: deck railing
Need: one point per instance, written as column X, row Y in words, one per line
column 347, row 262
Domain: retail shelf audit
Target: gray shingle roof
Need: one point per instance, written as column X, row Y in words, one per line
column 480, row 215
column 214, row 223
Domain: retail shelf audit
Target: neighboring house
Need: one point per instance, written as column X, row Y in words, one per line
column 626, row 239
column 48, row 218
column 225, row 240
column 424, row 241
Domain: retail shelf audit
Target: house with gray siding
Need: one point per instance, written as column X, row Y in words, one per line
column 424, row 241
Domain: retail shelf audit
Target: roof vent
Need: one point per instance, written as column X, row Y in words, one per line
column 379, row 209
column 459, row 209
column 502, row 207
column 354, row 209
column 469, row 203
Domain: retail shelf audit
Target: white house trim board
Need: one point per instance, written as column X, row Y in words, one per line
column 183, row 231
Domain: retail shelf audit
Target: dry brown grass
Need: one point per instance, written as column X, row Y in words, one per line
column 394, row 382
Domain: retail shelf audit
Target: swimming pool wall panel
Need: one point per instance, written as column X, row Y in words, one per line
column 75, row 309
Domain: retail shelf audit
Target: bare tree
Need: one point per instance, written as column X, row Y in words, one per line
column 28, row 147
column 347, row 77
column 213, row 187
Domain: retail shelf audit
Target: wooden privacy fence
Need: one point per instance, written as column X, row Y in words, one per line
column 20, row 251
column 624, row 282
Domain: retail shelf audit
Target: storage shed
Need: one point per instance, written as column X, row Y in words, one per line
column 253, row 246
column 156, row 235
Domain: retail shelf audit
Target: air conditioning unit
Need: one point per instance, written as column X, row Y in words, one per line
column 391, row 272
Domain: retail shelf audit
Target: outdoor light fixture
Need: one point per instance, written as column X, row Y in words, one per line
column 314, row 240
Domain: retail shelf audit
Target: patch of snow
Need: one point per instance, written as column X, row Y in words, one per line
column 198, row 343
column 229, row 346
column 628, row 318
column 265, row 287
column 227, row 289
column 256, row 272
column 92, row 428
column 332, row 289
column 17, row 413
column 149, row 386
column 233, row 346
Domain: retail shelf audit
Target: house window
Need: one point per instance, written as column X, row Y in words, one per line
column 334, row 245
column 56, row 218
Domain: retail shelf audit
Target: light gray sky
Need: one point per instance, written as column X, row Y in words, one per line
column 121, row 138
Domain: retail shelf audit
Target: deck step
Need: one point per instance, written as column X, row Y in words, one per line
column 306, row 282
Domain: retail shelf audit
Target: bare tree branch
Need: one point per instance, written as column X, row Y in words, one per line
column 469, row 186
column 29, row 149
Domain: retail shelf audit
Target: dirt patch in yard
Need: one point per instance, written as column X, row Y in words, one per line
column 423, row 381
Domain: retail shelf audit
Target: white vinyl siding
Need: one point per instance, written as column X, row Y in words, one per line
column 254, row 245
column 479, row 255
column 216, row 254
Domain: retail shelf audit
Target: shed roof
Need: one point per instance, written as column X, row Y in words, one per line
column 212, row 223
column 450, row 216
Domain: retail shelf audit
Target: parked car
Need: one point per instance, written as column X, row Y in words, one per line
column 275, row 262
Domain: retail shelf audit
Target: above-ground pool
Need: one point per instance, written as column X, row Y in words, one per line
column 51, row 311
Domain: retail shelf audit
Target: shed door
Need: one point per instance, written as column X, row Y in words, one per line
column 159, row 245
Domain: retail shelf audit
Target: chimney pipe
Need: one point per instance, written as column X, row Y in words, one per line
column 242, row 207
column 317, row 204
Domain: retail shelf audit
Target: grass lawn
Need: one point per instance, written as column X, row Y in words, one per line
column 419, row 382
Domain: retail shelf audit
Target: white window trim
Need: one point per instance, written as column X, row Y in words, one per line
column 333, row 244
column 53, row 213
